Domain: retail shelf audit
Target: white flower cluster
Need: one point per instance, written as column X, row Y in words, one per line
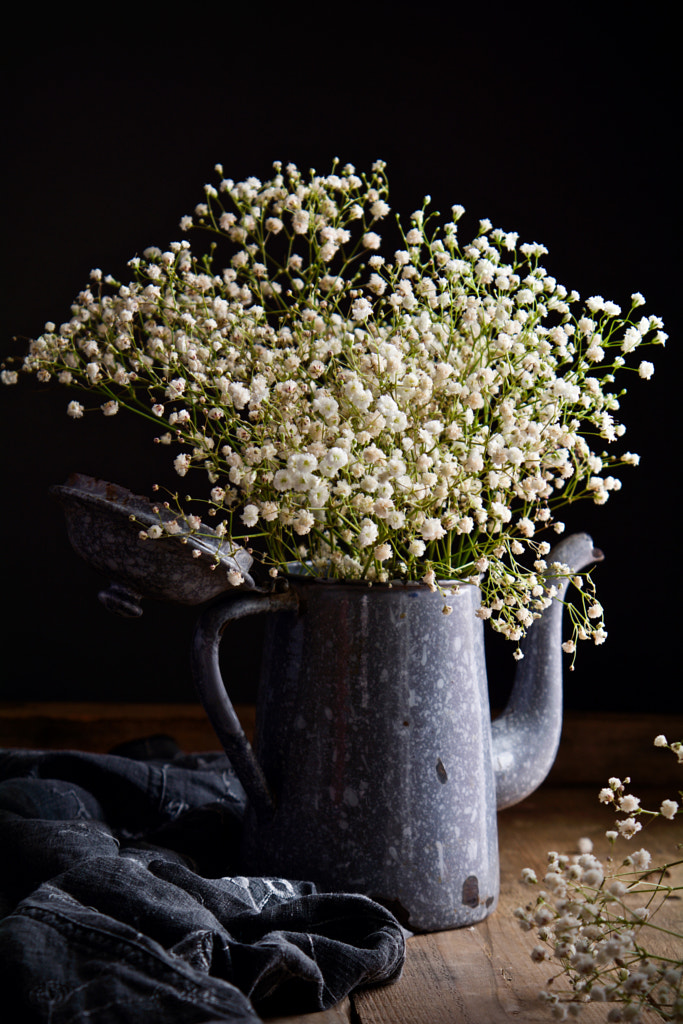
column 626, row 803
column 594, row 919
column 379, row 417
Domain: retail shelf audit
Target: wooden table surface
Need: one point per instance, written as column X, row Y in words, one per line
column 481, row 974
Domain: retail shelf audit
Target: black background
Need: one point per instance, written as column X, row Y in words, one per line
column 561, row 126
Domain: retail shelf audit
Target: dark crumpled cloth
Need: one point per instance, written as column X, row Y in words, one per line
column 122, row 899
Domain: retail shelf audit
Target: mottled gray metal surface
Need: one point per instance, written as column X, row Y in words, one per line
column 526, row 736
column 374, row 734
column 104, row 521
column 375, row 750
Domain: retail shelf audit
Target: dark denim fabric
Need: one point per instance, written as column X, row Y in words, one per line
column 122, row 902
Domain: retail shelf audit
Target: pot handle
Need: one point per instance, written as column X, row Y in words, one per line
column 213, row 694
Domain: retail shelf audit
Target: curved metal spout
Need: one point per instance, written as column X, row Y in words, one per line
column 526, row 736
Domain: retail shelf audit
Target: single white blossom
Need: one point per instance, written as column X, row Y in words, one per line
column 668, row 809
column 628, row 827
column 432, row 529
column 371, row 240
column 629, row 803
column 250, row 515
column 75, row 410
column 382, row 552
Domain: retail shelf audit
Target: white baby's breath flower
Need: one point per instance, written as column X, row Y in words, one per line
column 641, row 860
column 75, row 410
column 628, row 827
column 379, row 209
column 629, row 803
column 250, row 515
column 303, row 523
column 432, row 529
column 368, row 533
column 371, row 240
column 361, row 309
column 300, row 220
column 430, row 579
column 376, row 284
column 382, row 552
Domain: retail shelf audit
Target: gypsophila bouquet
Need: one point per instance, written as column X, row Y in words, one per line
column 595, row 921
column 420, row 416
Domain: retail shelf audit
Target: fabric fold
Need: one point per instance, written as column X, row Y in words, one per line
column 125, row 899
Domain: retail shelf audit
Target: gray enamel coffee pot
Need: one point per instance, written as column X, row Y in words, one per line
column 376, row 767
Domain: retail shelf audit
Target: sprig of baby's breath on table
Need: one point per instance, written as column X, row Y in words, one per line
column 420, row 415
column 595, row 920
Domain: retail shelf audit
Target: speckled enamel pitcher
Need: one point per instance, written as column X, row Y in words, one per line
column 376, row 767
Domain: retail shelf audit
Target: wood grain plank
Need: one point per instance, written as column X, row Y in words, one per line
column 98, row 727
column 593, row 747
column 339, row 1014
column 597, row 745
column 458, row 977
column 442, row 972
